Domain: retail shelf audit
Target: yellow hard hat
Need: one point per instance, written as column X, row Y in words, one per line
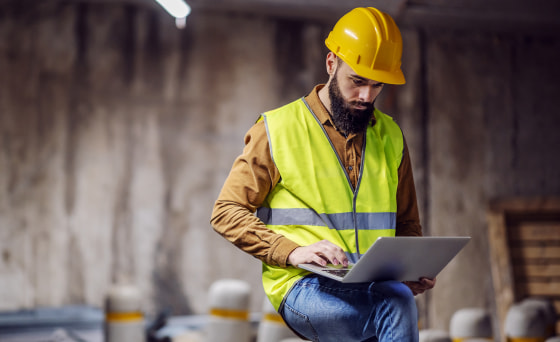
column 370, row 42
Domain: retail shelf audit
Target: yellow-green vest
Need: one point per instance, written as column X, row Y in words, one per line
column 314, row 199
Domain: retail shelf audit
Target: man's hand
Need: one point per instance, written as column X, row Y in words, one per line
column 321, row 253
column 419, row 287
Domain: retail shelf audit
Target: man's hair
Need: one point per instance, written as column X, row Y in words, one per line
column 338, row 61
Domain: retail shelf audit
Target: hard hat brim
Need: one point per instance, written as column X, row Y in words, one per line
column 388, row 77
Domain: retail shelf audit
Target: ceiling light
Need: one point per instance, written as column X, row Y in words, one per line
column 178, row 9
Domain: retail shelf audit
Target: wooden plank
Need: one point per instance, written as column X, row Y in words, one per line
column 531, row 252
column 531, row 231
column 533, row 289
column 537, row 270
column 531, row 226
column 521, row 205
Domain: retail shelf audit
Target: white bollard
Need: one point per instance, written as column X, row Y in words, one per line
column 229, row 312
column 272, row 327
column 470, row 324
column 525, row 323
column 190, row 336
column 547, row 307
column 124, row 320
column 433, row 335
column 553, row 339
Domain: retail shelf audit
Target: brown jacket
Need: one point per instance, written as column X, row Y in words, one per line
column 254, row 174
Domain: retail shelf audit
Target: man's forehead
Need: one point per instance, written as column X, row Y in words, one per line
column 351, row 73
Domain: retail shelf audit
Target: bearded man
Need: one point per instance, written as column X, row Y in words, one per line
column 327, row 175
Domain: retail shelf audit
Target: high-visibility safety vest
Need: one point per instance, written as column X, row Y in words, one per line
column 315, row 200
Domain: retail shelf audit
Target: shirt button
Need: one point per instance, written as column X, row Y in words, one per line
column 350, row 168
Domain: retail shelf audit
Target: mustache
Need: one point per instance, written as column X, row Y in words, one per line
column 368, row 105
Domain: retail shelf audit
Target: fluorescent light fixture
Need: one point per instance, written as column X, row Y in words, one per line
column 177, row 8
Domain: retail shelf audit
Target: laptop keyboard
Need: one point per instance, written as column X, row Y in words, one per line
column 341, row 272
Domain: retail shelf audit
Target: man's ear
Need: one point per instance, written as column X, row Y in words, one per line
column 331, row 63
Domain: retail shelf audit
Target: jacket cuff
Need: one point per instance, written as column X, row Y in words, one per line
column 280, row 252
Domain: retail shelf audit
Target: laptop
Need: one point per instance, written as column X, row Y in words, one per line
column 402, row 258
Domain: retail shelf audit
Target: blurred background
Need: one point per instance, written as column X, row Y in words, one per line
column 117, row 130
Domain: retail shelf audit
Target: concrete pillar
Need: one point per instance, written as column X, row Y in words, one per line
column 272, row 327
column 124, row 320
column 229, row 312
column 469, row 324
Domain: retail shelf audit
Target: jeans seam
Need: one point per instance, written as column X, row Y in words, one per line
column 390, row 319
column 306, row 319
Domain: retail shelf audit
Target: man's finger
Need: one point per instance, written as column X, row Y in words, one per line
column 333, row 253
column 321, row 253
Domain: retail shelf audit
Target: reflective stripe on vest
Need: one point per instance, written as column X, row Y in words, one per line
column 315, row 200
column 304, row 216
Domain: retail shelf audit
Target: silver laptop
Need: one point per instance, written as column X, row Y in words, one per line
column 402, row 258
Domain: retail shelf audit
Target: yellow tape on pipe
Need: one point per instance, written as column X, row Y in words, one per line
column 526, row 339
column 230, row 313
column 123, row 316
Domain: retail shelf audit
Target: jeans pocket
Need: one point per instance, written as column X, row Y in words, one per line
column 299, row 322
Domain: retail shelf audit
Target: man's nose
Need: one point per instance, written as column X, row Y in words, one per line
column 367, row 94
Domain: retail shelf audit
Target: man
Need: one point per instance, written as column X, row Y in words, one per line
column 327, row 175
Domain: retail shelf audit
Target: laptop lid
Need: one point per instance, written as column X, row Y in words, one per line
column 402, row 258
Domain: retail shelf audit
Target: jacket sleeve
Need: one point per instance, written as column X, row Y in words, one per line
column 408, row 219
column 252, row 176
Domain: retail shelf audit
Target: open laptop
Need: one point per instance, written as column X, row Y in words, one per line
column 402, row 258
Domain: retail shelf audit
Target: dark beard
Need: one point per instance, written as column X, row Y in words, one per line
column 346, row 119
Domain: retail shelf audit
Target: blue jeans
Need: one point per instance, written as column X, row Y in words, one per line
column 321, row 309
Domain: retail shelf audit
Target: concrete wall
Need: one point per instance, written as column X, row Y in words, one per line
column 118, row 130
column 480, row 111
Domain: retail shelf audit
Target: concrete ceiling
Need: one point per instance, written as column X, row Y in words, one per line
column 495, row 15
column 311, row 9
column 507, row 15
column 501, row 15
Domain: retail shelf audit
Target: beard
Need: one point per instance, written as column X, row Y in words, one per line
column 346, row 118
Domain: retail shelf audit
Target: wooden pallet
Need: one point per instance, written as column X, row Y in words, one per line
column 524, row 237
